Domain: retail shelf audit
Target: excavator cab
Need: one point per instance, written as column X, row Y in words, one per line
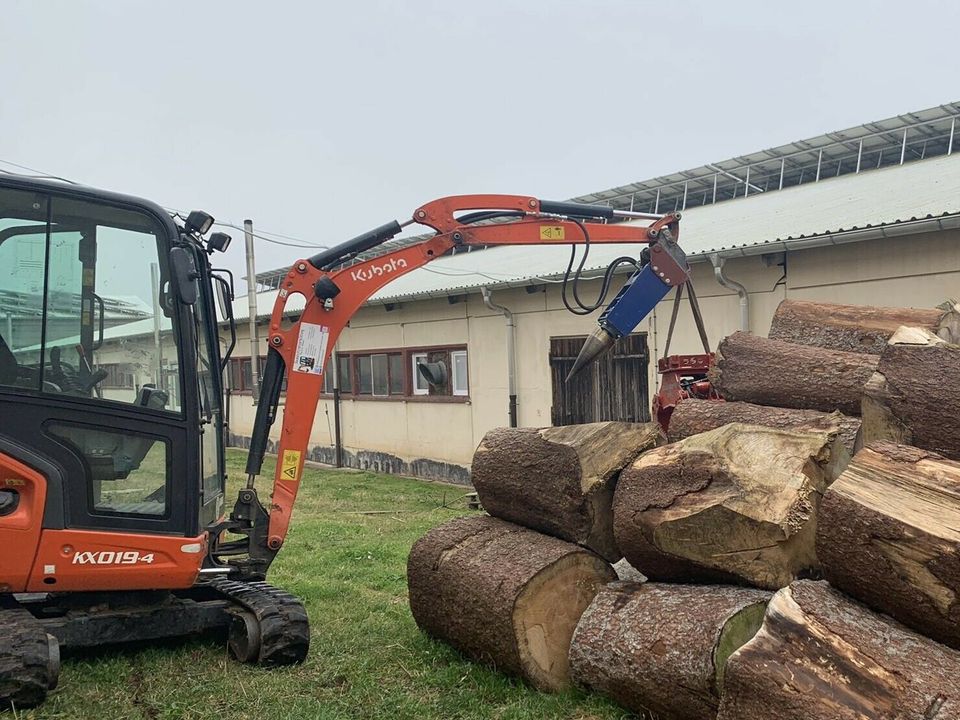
column 110, row 389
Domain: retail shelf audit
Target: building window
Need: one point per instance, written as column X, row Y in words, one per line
column 346, row 378
column 420, row 385
column 394, row 373
column 458, row 372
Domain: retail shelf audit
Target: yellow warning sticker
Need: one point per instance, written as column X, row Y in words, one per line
column 290, row 465
column 551, row 232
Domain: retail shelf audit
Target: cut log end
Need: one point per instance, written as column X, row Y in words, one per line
column 504, row 595
column 888, row 534
column 822, row 656
column 546, row 614
column 732, row 505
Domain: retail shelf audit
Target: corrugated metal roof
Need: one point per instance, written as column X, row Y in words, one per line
column 839, row 209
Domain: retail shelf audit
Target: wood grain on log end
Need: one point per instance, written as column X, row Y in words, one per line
column 823, row 656
column 504, row 595
column 888, row 534
column 662, row 648
column 732, row 505
column 560, row 480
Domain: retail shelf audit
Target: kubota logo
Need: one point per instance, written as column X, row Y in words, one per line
column 364, row 274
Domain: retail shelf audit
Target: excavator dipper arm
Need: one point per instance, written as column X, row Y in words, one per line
column 334, row 291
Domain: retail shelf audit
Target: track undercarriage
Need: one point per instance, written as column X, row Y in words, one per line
column 261, row 624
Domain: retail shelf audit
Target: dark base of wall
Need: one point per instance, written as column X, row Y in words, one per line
column 376, row 462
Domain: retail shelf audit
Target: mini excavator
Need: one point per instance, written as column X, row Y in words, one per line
column 112, row 479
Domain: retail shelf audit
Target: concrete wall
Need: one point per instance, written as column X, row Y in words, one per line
column 438, row 439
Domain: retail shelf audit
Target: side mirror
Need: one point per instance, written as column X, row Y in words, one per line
column 183, row 268
column 224, row 295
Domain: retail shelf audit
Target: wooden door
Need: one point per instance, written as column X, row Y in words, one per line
column 613, row 388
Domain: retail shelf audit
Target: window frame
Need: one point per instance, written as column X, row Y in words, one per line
column 454, row 390
column 416, row 378
column 410, row 391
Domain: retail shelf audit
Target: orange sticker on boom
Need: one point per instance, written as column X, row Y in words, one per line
column 551, row 232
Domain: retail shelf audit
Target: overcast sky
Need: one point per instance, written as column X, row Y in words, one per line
column 320, row 120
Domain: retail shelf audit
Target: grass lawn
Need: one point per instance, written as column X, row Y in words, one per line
column 367, row 658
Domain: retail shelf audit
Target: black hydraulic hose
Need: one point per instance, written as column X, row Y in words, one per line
column 587, row 308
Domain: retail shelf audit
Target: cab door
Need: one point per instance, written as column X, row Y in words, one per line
column 92, row 381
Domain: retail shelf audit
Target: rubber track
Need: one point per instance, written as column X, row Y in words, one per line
column 24, row 655
column 284, row 626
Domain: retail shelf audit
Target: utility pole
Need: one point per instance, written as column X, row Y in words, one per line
column 252, row 305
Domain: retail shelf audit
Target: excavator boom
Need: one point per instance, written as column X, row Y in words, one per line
column 336, row 285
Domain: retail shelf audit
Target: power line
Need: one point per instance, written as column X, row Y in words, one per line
column 260, row 234
column 39, row 174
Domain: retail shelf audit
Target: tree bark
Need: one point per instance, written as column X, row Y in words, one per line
column 855, row 328
column 914, row 395
column 560, row 480
column 662, row 648
column 504, row 595
column 772, row 372
column 692, row 417
column 733, row 505
column 888, row 534
column 822, row 656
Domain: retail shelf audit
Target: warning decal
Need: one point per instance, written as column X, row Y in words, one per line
column 551, row 232
column 311, row 349
column 290, row 465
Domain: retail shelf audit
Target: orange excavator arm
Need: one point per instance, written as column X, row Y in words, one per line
column 334, row 290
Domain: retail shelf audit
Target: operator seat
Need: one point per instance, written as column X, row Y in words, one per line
column 8, row 364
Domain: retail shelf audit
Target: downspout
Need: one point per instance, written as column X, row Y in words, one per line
column 511, row 352
column 334, row 367
column 726, row 282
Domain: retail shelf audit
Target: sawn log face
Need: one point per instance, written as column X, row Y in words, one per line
column 732, row 505
column 823, row 656
column 889, row 534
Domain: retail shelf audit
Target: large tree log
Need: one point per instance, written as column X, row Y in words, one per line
column 736, row 504
column 856, row 328
column 560, row 480
column 504, row 595
column 822, row 656
column 913, row 397
column 773, row 372
column 888, row 533
column 692, row 417
column 662, row 648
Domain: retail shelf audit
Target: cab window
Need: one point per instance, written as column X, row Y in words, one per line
column 84, row 306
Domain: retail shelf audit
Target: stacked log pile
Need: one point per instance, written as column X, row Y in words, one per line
column 793, row 552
